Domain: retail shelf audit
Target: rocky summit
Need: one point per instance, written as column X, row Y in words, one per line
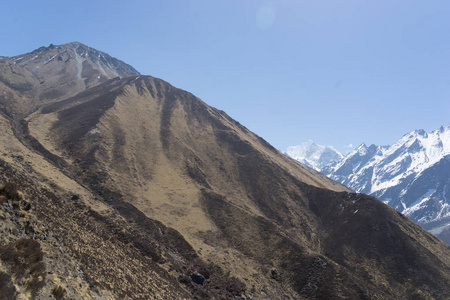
column 121, row 186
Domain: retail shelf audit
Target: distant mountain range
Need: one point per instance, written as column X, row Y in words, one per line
column 412, row 175
column 313, row 155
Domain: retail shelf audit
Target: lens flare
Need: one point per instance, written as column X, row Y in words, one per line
column 265, row 17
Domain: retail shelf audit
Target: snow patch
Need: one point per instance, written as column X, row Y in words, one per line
column 79, row 62
column 439, row 230
column 50, row 59
column 94, row 131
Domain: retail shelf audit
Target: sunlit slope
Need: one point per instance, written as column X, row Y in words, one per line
column 150, row 150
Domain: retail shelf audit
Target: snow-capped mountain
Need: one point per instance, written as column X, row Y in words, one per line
column 412, row 175
column 313, row 155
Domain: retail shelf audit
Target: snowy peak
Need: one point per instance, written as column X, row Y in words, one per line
column 351, row 163
column 313, row 155
column 412, row 175
column 412, row 154
column 425, row 148
column 363, row 151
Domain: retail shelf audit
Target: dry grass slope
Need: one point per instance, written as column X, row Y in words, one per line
column 160, row 156
column 153, row 194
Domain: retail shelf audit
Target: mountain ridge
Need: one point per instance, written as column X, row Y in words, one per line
column 54, row 73
column 409, row 175
column 164, row 196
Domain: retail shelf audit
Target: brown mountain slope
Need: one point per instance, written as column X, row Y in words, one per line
column 152, row 192
column 154, row 153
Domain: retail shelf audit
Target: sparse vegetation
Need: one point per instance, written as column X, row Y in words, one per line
column 59, row 292
column 164, row 167
column 217, row 283
column 11, row 191
column 7, row 289
column 24, row 258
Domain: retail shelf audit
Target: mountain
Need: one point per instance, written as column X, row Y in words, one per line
column 313, row 155
column 412, row 176
column 132, row 188
column 54, row 72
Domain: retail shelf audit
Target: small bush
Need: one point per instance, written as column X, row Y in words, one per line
column 22, row 253
column 37, row 269
column 34, row 285
column 24, row 258
column 11, row 191
column 59, row 292
column 7, row 289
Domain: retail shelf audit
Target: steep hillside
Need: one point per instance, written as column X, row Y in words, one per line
column 156, row 195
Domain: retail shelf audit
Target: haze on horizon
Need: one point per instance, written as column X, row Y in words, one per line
column 338, row 73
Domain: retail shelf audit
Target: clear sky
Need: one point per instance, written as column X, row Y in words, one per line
column 338, row 72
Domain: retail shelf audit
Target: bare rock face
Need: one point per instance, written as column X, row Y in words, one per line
column 57, row 72
column 176, row 200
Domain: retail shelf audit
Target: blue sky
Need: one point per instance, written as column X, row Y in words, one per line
column 337, row 72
